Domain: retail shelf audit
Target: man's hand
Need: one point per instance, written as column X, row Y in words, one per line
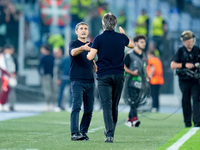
column 121, row 30
column 131, row 43
column 189, row 65
column 86, row 47
column 77, row 51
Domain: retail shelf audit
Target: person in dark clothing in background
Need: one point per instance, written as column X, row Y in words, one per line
column 109, row 46
column 45, row 69
column 186, row 62
column 82, row 82
column 63, row 79
column 135, row 81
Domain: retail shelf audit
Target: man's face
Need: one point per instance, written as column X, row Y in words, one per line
column 43, row 51
column 9, row 51
column 141, row 44
column 82, row 31
column 189, row 43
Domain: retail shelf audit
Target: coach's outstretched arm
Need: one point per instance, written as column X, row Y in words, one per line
column 131, row 43
column 77, row 51
column 91, row 54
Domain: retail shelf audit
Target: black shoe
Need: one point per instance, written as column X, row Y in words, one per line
column 85, row 136
column 77, row 137
column 188, row 125
column 109, row 140
column 197, row 125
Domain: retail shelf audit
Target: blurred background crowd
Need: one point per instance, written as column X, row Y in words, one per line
column 28, row 24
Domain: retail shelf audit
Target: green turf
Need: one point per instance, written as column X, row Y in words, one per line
column 174, row 139
column 51, row 131
column 193, row 143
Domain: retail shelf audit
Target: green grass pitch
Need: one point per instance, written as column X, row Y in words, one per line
column 51, row 131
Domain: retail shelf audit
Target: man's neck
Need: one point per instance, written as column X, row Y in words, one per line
column 138, row 51
column 82, row 40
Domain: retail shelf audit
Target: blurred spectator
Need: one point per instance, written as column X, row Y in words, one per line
column 12, row 23
column 8, row 80
column 155, row 74
column 84, row 8
column 152, row 48
column 2, row 24
column 74, row 11
column 142, row 24
column 95, row 23
column 158, row 29
column 58, row 55
column 63, row 81
column 45, row 69
column 102, row 7
column 56, row 41
column 122, row 21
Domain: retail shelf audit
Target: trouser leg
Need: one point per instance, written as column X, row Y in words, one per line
column 88, row 101
column 195, row 90
column 116, row 95
column 155, row 96
column 186, row 102
column 77, row 98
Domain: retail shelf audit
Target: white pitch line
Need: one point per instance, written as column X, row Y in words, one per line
column 95, row 129
column 184, row 138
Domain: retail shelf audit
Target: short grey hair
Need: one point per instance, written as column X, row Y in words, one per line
column 81, row 23
column 109, row 21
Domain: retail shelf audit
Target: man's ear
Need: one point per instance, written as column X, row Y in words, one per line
column 76, row 32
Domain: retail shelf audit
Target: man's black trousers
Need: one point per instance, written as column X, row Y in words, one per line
column 110, row 89
column 190, row 89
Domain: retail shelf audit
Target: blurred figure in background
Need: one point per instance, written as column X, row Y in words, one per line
column 79, row 10
column 142, row 24
column 45, row 69
column 12, row 23
column 135, row 68
column 56, row 41
column 155, row 74
column 159, row 27
column 152, row 48
column 8, row 70
column 185, row 61
column 122, row 20
column 2, row 24
column 63, row 81
column 58, row 55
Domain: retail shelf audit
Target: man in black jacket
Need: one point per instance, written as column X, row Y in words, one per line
column 186, row 62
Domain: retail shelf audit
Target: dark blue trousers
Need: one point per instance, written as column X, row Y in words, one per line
column 81, row 93
column 110, row 89
column 63, row 84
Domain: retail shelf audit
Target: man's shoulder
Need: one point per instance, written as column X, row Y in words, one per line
column 196, row 47
column 73, row 42
column 181, row 48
